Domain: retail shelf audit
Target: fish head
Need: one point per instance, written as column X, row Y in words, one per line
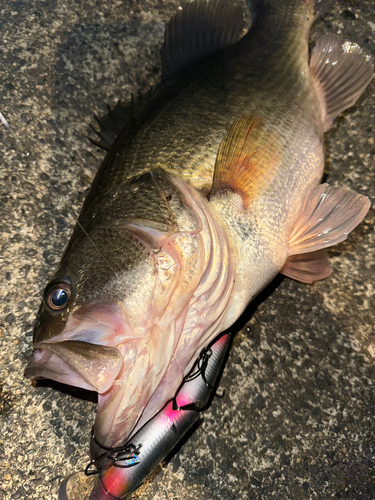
column 111, row 319
column 89, row 313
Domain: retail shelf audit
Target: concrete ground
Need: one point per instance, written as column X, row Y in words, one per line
column 297, row 417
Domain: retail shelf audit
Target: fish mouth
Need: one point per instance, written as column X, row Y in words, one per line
column 99, row 351
column 76, row 363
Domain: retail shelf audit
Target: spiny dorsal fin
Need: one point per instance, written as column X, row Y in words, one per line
column 118, row 117
column 246, row 159
column 199, row 29
column 342, row 71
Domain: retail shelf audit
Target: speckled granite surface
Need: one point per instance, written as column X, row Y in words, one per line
column 297, row 417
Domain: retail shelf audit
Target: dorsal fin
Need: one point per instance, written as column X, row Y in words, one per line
column 111, row 124
column 246, row 159
column 118, row 117
column 199, row 29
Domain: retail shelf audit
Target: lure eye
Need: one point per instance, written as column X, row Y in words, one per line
column 57, row 296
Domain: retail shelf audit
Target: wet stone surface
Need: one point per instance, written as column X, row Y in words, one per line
column 297, row 417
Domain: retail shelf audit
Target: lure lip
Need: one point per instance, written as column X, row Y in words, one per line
column 78, row 486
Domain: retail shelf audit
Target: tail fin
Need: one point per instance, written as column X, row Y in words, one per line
column 342, row 71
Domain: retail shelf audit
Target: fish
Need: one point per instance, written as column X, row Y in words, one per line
column 210, row 188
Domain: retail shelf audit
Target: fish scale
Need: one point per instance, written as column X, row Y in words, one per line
column 209, row 191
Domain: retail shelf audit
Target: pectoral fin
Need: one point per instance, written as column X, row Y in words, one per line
column 246, row 159
column 327, row 216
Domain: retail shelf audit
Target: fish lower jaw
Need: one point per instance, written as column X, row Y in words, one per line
column 44, row 365
column 76, row 363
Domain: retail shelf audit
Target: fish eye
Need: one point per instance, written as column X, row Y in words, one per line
column 57, row 295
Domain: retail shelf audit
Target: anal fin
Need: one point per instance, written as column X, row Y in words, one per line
column 327, row 216
column 341, row 71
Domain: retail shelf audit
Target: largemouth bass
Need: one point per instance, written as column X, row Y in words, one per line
column 210, row 190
